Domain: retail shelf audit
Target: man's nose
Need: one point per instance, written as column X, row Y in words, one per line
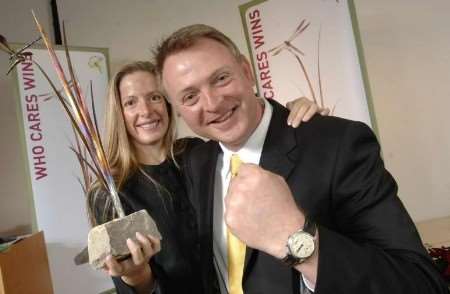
column 212, row 100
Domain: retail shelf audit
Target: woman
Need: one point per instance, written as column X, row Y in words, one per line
column 145, row 160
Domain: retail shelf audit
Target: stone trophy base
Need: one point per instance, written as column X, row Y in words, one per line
column 110, row 238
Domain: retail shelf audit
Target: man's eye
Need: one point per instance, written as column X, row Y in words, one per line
column 156, row 98
column 223, row 78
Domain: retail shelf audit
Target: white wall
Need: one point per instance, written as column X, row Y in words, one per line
column 17, row 25
column 407, row 50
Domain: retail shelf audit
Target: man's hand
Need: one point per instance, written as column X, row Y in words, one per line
column 260, row 210
column 135, row 271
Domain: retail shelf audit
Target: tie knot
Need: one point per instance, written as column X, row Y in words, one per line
column 235, row 164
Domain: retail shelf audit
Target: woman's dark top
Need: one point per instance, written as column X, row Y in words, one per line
column 176, row 265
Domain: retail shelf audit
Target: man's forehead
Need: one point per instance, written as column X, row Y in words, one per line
column 202, row 60
column 201, row 46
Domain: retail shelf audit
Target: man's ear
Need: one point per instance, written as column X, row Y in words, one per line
column 247, row 69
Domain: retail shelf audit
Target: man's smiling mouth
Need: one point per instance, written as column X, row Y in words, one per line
column 223, row 117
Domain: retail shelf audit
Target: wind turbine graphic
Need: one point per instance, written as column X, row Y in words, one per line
column 288, row 46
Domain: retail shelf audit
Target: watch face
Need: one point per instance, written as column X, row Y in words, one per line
column 301, row 245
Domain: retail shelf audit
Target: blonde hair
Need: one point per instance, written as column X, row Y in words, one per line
column 120, row 151
column 187, row 37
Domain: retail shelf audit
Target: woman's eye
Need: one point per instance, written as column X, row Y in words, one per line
column 128, row 103
column 190, row 99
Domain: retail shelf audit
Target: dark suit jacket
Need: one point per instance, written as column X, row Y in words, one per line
column 368, row 243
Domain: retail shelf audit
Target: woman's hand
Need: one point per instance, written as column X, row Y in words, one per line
column 136, row 271
column 302, row 109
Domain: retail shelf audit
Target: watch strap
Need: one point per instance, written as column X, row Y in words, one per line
column 310, row 227
column 290, row 260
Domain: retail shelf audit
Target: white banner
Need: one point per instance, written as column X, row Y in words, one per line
column 58, row 197
column 306, row 48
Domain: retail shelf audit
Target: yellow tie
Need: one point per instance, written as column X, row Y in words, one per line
column 236, row 249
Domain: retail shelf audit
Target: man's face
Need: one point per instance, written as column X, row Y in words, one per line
column 213, row 92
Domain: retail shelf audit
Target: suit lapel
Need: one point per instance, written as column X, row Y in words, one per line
column 278, row 152
column 280, row 145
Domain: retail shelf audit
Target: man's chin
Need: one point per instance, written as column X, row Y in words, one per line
column 232, row 143
column 230, row 137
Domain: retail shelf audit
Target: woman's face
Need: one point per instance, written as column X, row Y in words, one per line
column 144, row 109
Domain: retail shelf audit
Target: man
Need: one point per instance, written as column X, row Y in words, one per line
column 319, row 214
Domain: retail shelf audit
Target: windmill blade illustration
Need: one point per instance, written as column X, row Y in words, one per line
column 295, row 49
column 49, row 95
column 287, row 44
column 290, row 49
column 296, row 31
column 277, row 49
column 300, row 29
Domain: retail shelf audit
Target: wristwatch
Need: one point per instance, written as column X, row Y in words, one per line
column 301, row 244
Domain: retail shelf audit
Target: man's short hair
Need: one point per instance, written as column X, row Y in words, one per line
column 186, row 37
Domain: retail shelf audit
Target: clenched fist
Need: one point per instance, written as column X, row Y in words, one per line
column 260, row 210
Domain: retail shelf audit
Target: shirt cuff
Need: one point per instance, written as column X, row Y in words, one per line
column 308, row 284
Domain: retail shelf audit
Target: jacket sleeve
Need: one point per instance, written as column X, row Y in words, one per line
column 376, row 248
column 124, row 288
